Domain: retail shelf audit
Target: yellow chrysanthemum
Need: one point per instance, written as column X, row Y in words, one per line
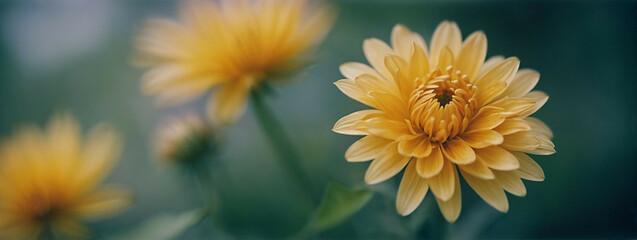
column 235, row 45
column 441, row 110
column 49, row 179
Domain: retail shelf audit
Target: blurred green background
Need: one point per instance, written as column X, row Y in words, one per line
column 75, row 55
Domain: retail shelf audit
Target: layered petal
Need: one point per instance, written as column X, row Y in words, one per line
column 230, row 100
column 415, row 146
column 431, row 165
column 367, row 148
column 489, row 190
column 447, row 34
column 443, row 184
column 347, row 125
column 386, row 165
column 458, row 152
column 451, row 208
column 497, row 158
column 472, row 54
column 412, row 190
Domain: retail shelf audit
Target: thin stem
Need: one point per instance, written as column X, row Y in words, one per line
column 206, row 187
column 288, row 157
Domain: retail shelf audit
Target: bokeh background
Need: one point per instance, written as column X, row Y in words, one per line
column 75, row 55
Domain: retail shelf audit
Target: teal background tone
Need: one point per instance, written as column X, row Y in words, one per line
column 75, row 55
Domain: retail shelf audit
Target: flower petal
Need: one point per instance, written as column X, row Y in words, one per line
column 445, row 59
column 497, row 158
column 523, row 82
column 478, row 169
column 487, row 118
column 386, row 165
column 394, row 106
column 489, row 190
column 419, row 62
column 546, row 146
column 472, row 54
column 539, row 126
column 482, row 139
column 511, row 182
column 512, row 125
column 489, row 64
column 446, row 34
column 540, row 99
column 366, row 148
column 443, row 184
column 529, row 169
column 102, row 203
column 353, row 91
column 382, row 126
column 514, row 106
column 415, row 146
column 503, row 72
column 451, row 208
column 412, row 190
column 351, row 70
column 399, row 68
column 520, row 141
column 346, row 125
column 375, row 51
column 431, row 165
column 402, row 40
column 229, row 102
column 458, row 152
column 369, row 83
column 100, row 153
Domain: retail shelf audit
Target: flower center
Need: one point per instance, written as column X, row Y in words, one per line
column 444, row 96
column 40, row 207
column 442, row 104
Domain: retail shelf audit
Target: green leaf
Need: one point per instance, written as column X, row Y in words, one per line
column 339, row 203
column 164, row 226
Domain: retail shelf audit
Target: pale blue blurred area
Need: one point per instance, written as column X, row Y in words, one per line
column 75, row 55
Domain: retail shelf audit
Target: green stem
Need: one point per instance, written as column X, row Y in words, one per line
column 287, row 155
column 206, row 187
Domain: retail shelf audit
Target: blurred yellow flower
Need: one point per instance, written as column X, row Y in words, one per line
column 235, row 45
column 183, row 138
column 50, row 179
column 443, row 109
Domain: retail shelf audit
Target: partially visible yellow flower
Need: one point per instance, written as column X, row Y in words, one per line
column 50, row 179
column 235, row 45
column 183, row 138
column 444, row 109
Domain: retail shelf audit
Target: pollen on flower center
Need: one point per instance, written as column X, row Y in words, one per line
column 442, row 104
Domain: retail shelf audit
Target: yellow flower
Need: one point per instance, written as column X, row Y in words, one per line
column 441, row 110
column 235, row 45
column 184, row 138
column 50, row 179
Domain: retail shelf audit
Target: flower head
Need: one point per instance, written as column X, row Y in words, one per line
column 441, row 110
column 235, row 45
column 183, row 139
column 50, row 179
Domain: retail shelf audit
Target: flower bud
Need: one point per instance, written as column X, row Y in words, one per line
column 183, row 139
